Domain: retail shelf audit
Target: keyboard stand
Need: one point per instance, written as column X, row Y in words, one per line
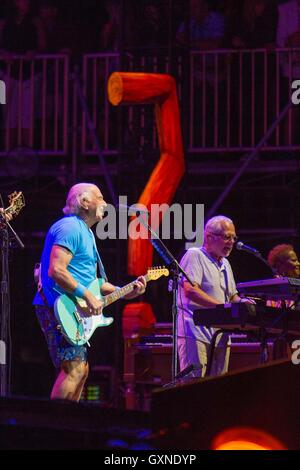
column 264, row 352
column 213, row 347
column 281, row 342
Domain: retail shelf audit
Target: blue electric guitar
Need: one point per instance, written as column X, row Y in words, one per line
column 72, row 313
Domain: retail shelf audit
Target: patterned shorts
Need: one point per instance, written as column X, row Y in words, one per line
column 59, row 348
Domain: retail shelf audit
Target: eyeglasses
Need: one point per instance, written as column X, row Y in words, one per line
column 226, row 238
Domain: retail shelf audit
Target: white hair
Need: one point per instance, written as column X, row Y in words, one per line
column 77, row 193
column 215, row 224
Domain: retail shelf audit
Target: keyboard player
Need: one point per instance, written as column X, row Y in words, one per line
column 214, row 284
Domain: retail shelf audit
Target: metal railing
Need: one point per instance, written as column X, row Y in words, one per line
column 236, row 95
column 140, row 124
column 36, row 111
column 228, row 99
column 95, row 73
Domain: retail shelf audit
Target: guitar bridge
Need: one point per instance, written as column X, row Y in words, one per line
column 78, row 317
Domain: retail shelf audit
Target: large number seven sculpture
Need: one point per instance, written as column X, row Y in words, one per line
column 159, row 89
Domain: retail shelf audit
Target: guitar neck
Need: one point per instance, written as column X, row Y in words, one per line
column 119, row 293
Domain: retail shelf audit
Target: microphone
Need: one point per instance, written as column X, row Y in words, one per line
column 132, row 209
column 249, row 249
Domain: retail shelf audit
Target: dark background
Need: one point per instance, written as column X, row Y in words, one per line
column 258, row 200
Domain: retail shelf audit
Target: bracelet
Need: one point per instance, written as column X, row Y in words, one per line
column 80, row 290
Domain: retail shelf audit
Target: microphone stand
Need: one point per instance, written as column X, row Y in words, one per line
column 175, row 270
column 16, row 236
column 5, row 305
column 263, row 339
column 259, row 256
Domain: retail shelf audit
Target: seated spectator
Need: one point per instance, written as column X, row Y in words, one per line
column 109, row 31
column 254, row 27
column 20, row 35
column 203, row 29
column 288, row 35
column 116, row 26
column 257, row 27
column 48, row 20
column 152, row 29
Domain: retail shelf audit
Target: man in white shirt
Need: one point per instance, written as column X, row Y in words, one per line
column 214, row 284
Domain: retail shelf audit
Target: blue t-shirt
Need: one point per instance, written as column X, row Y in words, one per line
column 70, row 232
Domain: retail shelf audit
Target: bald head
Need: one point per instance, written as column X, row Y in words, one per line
column 76, row 195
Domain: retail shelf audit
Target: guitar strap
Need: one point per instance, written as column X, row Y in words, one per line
column 38, row 281
column 226, row 293
column 43, row 297
column 99, row 261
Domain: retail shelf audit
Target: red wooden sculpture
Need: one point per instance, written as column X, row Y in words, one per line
column 159, row 89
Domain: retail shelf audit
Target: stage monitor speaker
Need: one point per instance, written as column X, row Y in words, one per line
column 190, row 415
column 59, row 424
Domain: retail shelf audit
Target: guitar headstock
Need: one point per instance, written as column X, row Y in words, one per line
column 156, row 273
column 16, row 203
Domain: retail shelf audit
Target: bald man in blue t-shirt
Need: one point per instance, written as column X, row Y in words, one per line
column 68, row 265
